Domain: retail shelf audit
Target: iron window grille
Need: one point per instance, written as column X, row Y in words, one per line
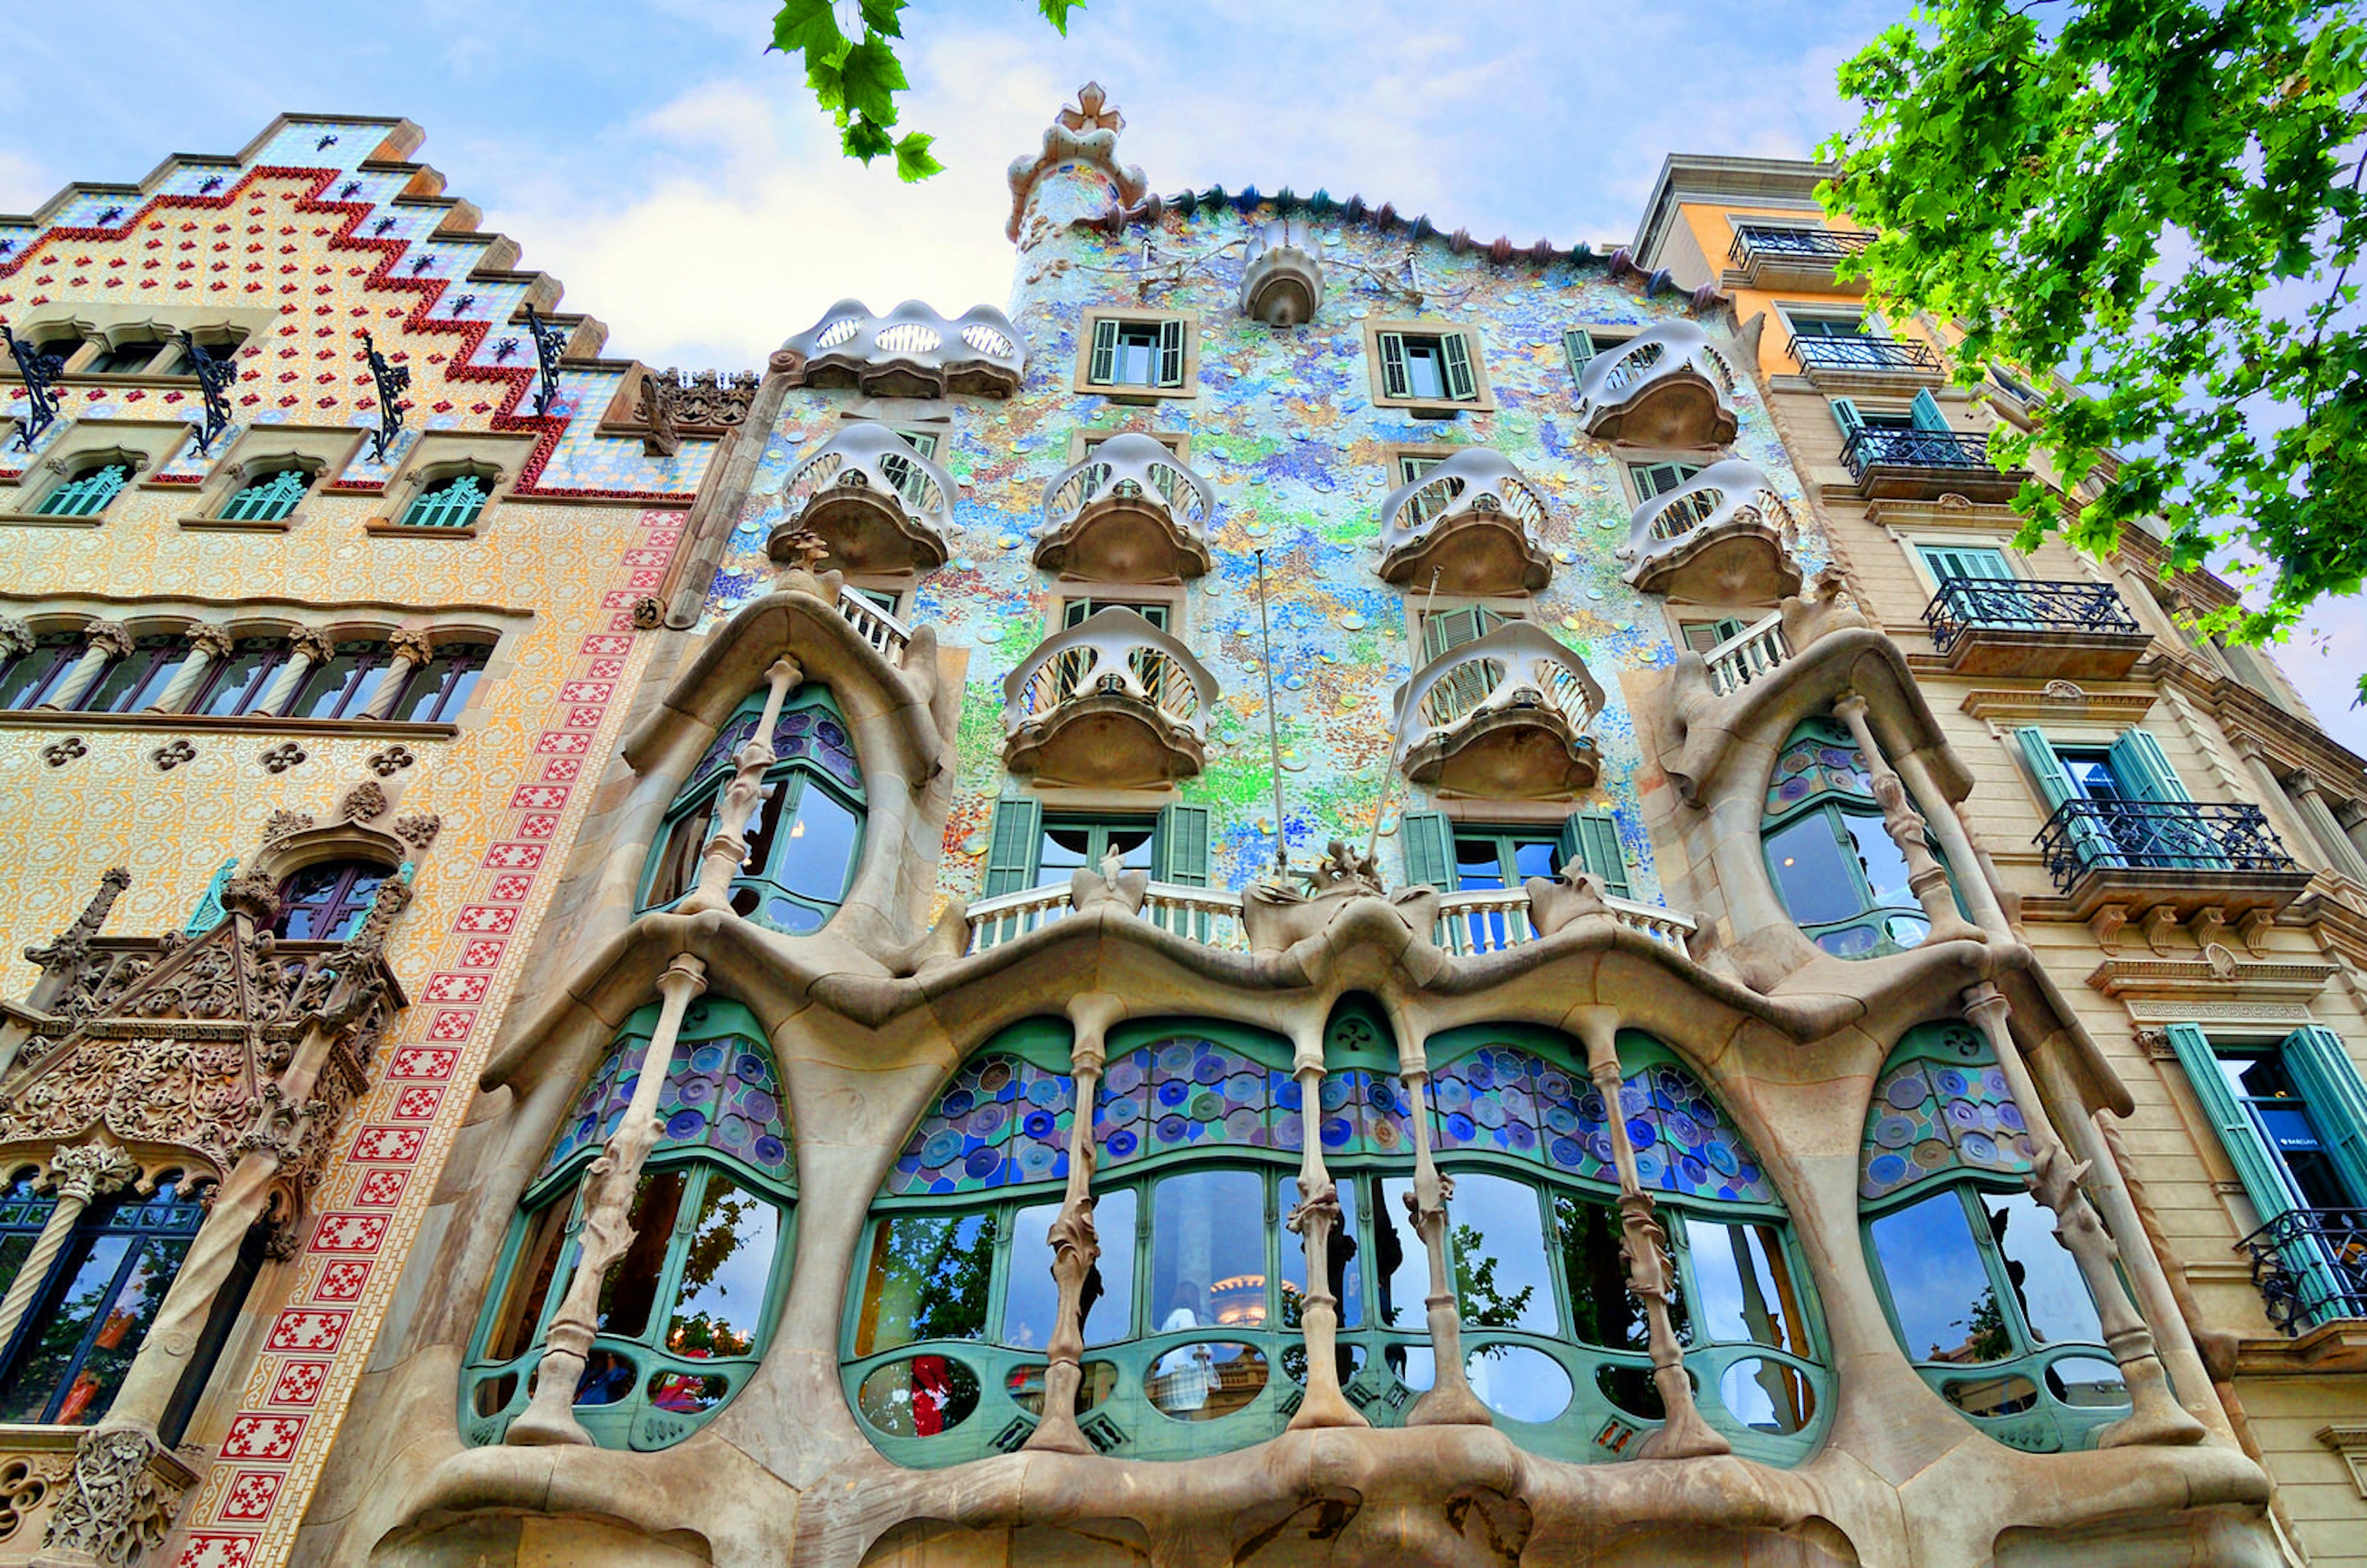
column 457, row 503
column 271, row 499
column 1972, row 603
column 2311, row 1266
column 2157, row 835
column 87, row 493
column 1873, row 447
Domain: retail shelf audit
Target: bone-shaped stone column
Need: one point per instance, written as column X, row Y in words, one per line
column 1316, row 1218
column 1908, row 829
column 2154, row 1416
column 721, row 860
column 1076, row 1247
column 609, row 1183
column 1450, row 1402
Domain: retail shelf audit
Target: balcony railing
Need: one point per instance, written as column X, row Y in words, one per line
column 1966, row 604
column 1468, row 923
column 1150, row 510
column 1668, row 385
column 1112, row 700
column 1746, row 656
column 881, row 505
column 911, row 352
column 875, row 625
column 1480, row 487
column 2157, row 835
column 1862, row 354
column 1885, row 446
column 1515, row 666
column 2311, row 1266
column 1752, row 241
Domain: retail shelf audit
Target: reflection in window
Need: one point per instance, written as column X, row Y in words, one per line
column 804, row 837
column 238, row 682
column 680, row 1318
column 136, row 680
column 326, row 902
column 441, row 689
column 1840, row 873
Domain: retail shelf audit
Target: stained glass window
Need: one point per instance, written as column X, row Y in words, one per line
column 1941, row 1106
column 1838, row 871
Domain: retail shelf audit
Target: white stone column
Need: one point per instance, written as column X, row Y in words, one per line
column 105, row 642
column 80, row 1173
column 307, row 647
column 1076, row 1247
column 209, row 646
column 407, row 653
column 1449, row 1402
column 2319, row 817
column 1907, row 830
column 606, row 1231
column 726, row 852
column 1316, row 1219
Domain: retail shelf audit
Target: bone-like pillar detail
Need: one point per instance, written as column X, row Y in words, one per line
column 721, row 860
column 1907, row 828
column 1683, row 1434
column 609, row 1183
column 2154, row 1415
column 1076, row 1248
column 1973, row 868
column 82, row 1173
column 1316, row 1219
column 1450, row 1402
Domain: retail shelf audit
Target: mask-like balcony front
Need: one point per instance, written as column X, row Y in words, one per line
column 2062, row 631
column 1130, row 513
column 1723, row 536
column 1474, row 520
column 911, row 352
column 1904, row 463
column 1666, row 387
column 879, row 505
column 1509, row 715
column 1111, row 702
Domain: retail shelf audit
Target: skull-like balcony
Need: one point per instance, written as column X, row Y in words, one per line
column 1111, row 702
column 1475, row 520
column 911, row 352
column 1723, row 536
column 1510, row 716
column 1665, row 387
column 879, row 505
column 1130, row 513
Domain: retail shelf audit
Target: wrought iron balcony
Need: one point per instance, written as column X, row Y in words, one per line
column 1864, row 354
column 2181, row 836
column 2311, row 1266
column 2073, row 631
column 879, row 505
column 1475, row 520
column 1130, row 513
column 911, row 352
column 1112, row 701
column 1897, row 463
column 1827, row 246
column 1509, row 715
column 1666, row 387
column 1723, row 536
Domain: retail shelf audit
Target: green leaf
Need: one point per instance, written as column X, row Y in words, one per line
column 912, row 160
column 1057, row 12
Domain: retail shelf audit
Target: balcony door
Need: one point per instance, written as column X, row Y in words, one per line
column 1980, row 586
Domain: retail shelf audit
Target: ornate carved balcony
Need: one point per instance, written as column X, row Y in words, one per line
column 1130, row 513
column 1665, row 387
column 1510, row 716
column 1890, row 463
column 1112, row 701
column 2311, row 1266
column 1767, row 256
column 879, row 505
column 1475, row 520
column 911, row 352
column 2179, row 856
column 2067, row 631
column 1281, row 279
column 1723, row 536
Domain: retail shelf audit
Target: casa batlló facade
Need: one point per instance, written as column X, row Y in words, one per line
column 1326, row 894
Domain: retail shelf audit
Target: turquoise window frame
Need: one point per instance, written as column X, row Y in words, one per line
column 1838, row 808
column 763, row 887
column 635, row 1422
column 2048, row 1423
column 1592, row 1429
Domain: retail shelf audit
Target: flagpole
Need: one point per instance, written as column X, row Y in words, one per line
column 1272, row 730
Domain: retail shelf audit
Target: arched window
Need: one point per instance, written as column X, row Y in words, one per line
column 454, row 502
column 324, row 902
column 27, row 681
column 238, row 682
column 268, row 498
column 100, row 1296
column 440, row 688
column 1836, row 868
column 804, row 841
column 1989, row 1307
column 1193, row 1312
column 86, row 494
column 343, row 685
column 684, row 1313
column 137, row 679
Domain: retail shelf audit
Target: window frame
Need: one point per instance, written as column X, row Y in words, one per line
column 1608, row 337
column 1475, row 354
column 1186, row 383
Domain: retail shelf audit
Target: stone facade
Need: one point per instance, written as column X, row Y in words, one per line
column 1320, row 896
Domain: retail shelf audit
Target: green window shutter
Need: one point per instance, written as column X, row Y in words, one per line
column 1452, row 628
column 1845, row 414
column 1975, row 561
column 2255, row 1167
column 1104, row 369
column 1461, row 385
column 2045, row 767
column 1179, row 846
column 1394, row 380
column 1580, row 345
column 2143, row 771
column 1011, row 845
column 210, row 912
column 2328, row 1079
column 1927, row 412
column 1591, row 838
column 1171, row 353
column 1427, row 838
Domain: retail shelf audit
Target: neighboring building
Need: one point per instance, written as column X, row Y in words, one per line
column 1632, row 1127
column 294, row 700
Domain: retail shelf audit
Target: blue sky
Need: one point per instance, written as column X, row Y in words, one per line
column 653, row 157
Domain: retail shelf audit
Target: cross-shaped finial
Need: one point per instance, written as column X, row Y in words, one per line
column 1091, row 111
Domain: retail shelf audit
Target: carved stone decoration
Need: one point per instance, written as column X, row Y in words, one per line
column 213, row 642
column 311, row 642
column 15, row 636
column 83, row 1171
column 364, row 803
column 25, row 1481
column 253, row 895
column 282, row 825
column 73, row 943
column 2063, row 691
column 418, row 828
column 64, row 751
column 1571, row 894
column 648, row 614
column 392, row 760
column 173, row 753
column 410, row 645
column 114, row 1508
column 111, row 637
column 282, row 757
column 707, row 404
column 1091, row 887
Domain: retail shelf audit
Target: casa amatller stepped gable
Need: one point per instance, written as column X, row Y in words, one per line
column 638, row 968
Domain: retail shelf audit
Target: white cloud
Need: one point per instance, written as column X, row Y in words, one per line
column 25, row 182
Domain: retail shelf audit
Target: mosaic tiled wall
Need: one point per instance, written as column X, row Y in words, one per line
column 1286, row 430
